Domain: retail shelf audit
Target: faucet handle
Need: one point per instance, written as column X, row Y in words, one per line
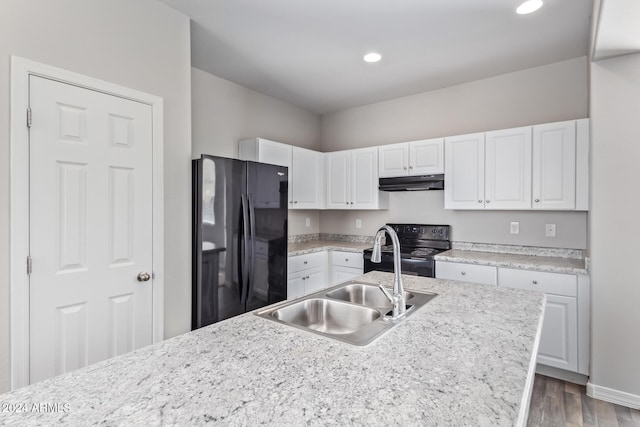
column 386, row 294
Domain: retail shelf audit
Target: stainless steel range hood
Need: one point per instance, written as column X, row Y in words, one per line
column 412, row 183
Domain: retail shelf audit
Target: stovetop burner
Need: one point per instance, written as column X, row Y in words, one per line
column 412, row 252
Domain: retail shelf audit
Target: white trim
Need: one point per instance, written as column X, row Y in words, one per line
column 523, row 414
column 613, row 396
column 21, row 69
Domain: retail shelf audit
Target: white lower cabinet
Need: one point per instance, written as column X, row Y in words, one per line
column 472, row 273
column 306, row 274
column 564, row 339
column 564, row 342
column 345, row 266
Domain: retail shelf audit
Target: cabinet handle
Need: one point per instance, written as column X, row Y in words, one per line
column 410, row 167
column 346, row 260
column 346, row 203
column 487, row 201
column 307, row 277
column 305, row 262
column 537, row 200
column 351, row 202
column 535, row 282
column 303, row 278
column 405, row 168
column 295, row 201
column 290, row 201
column 463, row 273
column 479, row 201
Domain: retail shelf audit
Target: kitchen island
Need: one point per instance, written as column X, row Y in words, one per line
column 466, row 358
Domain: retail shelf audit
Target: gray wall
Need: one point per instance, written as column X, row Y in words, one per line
column 549, row 93
column 139, row 44
column 613, row 223
column 225, row 112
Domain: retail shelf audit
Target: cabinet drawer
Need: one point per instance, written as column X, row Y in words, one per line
column 302, row 262
column 466, row 272
column 347, row 259
column 549, row 283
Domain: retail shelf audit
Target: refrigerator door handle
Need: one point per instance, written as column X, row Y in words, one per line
column 245, row 260
column 252, row 227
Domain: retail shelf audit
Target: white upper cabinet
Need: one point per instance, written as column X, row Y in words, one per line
column 306, row 169
column 507, row 182
column 307, row 179
column 424, row 157
column 554, row 166
column 464, row 172
column 352, row 180
column 338, row 172
column 535, row 167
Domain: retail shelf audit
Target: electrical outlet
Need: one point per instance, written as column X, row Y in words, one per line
column 308, row 222
column 358, row 223
column 514, row 228
column 550, row 230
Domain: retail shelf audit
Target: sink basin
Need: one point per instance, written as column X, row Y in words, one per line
column 328, row 316
column 364, row 294
column 353, row 312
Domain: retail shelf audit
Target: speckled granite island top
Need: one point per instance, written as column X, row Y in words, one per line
column 463, row 359
column 525, row 262
column 302, row 248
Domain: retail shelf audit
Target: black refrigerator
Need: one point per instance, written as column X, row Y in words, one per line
column 239, row 237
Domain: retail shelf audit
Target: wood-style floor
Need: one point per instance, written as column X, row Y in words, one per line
column 558, row 403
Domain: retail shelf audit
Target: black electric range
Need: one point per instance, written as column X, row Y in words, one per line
column 418, row 244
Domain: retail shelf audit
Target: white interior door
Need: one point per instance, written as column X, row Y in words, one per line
column 90, row 226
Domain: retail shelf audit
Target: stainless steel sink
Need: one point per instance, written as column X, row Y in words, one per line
column 328, row 316
column 364, row 294
column 353, row 312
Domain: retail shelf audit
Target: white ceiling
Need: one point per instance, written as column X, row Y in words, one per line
column 309, row 52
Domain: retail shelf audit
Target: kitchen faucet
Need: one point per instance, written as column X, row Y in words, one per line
column 397, row 299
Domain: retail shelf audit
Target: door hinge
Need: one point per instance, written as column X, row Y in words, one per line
column 29, row 265
column 29, row 117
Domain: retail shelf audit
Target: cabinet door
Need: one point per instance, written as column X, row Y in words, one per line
column 295, row 285
column 307, row 179
column 464, row 172
column 315, row 279
column 508, row 169
column 426, row 157
column 393, row 160
column 554, row 166
column 338, row 171
column 340, row 274
column 559, row 339
column 364, row 178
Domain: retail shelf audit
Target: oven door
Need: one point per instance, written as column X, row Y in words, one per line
column 411, row 266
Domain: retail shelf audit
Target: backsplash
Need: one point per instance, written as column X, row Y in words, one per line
column 330, row 237
column 519, row 250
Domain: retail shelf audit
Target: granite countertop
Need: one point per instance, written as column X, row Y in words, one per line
column 525, row 262
column 302, row 248
column 466, row 358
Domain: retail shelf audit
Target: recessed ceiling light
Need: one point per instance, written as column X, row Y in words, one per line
column 372, row 57
column 529, row 6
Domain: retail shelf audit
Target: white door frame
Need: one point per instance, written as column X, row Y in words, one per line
column 21, row 69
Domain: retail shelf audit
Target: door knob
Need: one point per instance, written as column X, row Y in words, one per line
column 143, row 276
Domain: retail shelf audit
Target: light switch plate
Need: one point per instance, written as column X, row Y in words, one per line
column 308, row 222
column 514, row 227
column 550, row 230
column 358, row 223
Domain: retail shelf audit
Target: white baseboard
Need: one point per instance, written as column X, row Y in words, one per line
column 613, row 396
column 561, row 374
